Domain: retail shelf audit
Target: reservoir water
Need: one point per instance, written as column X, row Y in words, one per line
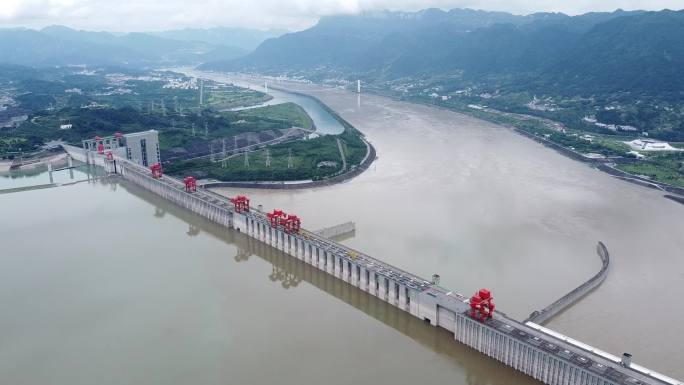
column 105, row 283
column 40, row 176
column 485, row 207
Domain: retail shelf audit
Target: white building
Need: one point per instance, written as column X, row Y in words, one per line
column 139, row 147
column 142, row 147
column 651, row 145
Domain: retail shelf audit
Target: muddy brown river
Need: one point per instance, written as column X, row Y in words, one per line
column 104, row 283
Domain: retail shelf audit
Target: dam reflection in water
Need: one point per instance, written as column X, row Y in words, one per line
column 290, row 274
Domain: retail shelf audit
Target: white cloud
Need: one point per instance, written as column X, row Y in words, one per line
column 145, row 15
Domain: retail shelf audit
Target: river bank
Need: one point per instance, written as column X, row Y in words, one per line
column 319, row 114
column 606, row 165
column 290, row 185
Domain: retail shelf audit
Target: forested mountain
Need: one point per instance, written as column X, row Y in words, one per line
column 599, row 52
column 58, row 45
column 642, row 52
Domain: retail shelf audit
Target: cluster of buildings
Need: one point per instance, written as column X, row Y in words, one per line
column 612, row 127
column 181, row 84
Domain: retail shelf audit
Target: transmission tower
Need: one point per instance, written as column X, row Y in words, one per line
column 268, row 157
column 193, row 129
column 223, row 155
column 246, row 159
column 289, row 159
column 206, row 133
column 211, row 149
column 201, row 92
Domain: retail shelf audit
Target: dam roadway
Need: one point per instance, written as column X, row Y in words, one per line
column 538, row 352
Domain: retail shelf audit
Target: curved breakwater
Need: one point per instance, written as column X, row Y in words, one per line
column 542, row 316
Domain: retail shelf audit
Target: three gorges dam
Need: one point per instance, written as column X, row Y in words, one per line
column 528, row 347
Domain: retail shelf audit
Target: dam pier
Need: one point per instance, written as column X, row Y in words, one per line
column 527, row 347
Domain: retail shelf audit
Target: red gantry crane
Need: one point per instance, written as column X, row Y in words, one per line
column 190, row 183
column 290, row 223
column 275, row 217
column 100, row 145
column 481, row 305
column 241, row 203
column 156, row 170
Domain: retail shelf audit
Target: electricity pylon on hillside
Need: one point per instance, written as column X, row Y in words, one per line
column 223, row 155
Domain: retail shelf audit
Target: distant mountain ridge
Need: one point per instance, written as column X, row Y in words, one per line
column 606, row 51
column 59, row 45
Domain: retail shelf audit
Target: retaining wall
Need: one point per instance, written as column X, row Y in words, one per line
column 542, row 316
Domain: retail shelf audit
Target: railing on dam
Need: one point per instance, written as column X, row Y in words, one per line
column 538, row 352
column 544, row 315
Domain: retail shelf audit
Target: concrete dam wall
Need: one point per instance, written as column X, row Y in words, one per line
column 538, row 352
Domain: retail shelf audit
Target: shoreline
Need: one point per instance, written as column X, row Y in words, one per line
column 371, row 155
column 353, row 172
column 599, row 164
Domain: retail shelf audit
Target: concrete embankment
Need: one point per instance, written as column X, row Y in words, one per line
column 603, row 164
column 27, row 188
column 640, row 180
column 677, row 199
column 542, row 316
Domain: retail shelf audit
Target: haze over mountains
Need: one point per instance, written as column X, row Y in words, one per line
column 637, row 51
column 605, row 52
column 246, row 39
column 59, row 45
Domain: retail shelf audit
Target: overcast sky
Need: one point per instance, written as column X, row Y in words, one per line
column 146, row 15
